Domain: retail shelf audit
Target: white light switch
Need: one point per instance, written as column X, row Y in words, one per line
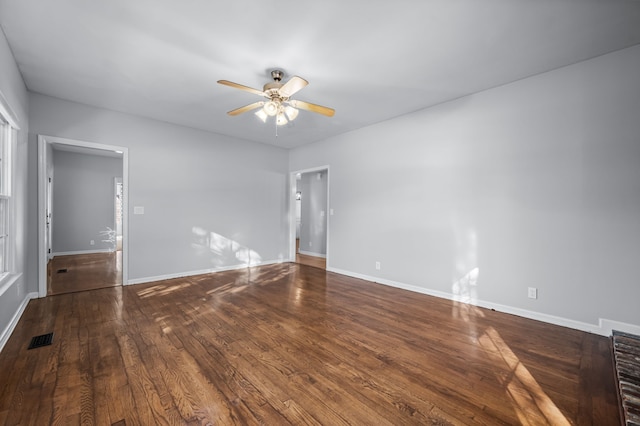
column 331, row 212
column 138, row 210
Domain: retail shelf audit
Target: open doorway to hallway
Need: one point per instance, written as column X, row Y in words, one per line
column 83, row 240
column 311, row 224
column 84, row 216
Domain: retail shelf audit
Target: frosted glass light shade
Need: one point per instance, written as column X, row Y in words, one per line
column 270, row 108
column 281, row 120
column 291, row 112
column 262, row 115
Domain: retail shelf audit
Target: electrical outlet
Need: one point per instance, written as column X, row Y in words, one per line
column 92, row 242
column 378, row 266
column 532, row 293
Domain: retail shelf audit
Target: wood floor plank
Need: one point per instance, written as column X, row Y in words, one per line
column 293, row 344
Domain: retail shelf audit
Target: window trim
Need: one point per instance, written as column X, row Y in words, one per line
column 7, row 114
column 8, row 140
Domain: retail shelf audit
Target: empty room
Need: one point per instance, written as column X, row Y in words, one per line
column 280, row 212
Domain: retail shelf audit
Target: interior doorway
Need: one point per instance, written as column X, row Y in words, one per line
column 310, row 208
column 82, row 215
column 118, row 207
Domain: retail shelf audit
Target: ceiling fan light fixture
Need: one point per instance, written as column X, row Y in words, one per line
column 291, row 112
column 281, row 120
column 262, row 115
column 270, row 108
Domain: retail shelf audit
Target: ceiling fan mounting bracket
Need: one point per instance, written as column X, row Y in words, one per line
column 277, row 75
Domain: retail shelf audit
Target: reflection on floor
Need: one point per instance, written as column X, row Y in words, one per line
column 316, row 262
column 67, row 274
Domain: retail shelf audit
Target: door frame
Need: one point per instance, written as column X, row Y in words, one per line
column 43, row 142
column 292, row 209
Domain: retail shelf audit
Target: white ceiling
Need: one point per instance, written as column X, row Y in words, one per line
column 371, row 60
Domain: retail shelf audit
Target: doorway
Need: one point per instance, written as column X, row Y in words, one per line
column 82, row 215
column 310, row 208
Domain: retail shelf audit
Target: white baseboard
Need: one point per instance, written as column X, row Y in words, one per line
column 200, row 272
column 6, row 333
column 310, row 253
column 610, row 325
column 603, row 328
column 73, row 253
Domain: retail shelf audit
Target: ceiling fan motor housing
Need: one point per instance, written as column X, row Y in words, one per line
column 271, row 89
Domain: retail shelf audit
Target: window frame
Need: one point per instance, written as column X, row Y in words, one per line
column 8, row 136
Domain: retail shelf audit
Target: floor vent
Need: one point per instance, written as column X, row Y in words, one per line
column 43, row 340
column 626, row 352
column 62, row 271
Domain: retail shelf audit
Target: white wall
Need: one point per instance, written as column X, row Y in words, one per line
column 210, row 202
column 83, row 201
column 14, row 296
column 532, row 184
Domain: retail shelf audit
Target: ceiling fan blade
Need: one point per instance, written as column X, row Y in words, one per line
column 292, row 86
column 313, row 107
column 246, row 108
column 241, row 87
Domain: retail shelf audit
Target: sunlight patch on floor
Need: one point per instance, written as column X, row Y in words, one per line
column 161, row 289
column 532, row 405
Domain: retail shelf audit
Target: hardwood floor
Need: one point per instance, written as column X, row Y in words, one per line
column 81, row 272
column 292, row 344
column 304, row 259
column 315, row 261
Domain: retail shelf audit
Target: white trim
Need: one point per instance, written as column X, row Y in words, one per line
column 310, row 253
column 73, row 253
column 7, row 281
column 292, row 209
column 202, row 272
column 43, row 256
column 609, row 325
column 603, row 328
column 6, row 333
column 7, row 112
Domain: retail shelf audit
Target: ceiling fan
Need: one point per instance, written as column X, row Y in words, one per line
column 279, row 103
